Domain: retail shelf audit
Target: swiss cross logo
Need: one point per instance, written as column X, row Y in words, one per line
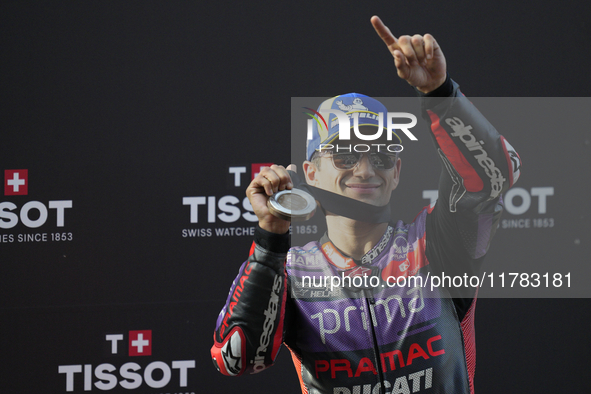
column 255, row 168
column 140, row 343
column 16, row 182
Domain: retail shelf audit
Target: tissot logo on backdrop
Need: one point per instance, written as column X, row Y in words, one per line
column 521, row 204
column 130, row 375
column 31, row 214
column 234, row 210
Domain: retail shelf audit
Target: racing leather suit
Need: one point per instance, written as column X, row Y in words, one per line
column 393, row 335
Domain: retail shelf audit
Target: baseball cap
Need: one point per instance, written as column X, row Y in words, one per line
column 368, row 110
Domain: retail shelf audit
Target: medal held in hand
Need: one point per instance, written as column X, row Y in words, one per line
column 294, row 205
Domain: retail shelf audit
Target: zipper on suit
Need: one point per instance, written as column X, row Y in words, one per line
column 370, row 303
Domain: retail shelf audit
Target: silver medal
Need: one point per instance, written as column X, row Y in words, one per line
column 294, row 205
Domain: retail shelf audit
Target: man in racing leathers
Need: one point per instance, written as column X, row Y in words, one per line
column 392, row 336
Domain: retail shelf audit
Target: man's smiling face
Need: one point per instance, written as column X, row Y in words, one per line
column 364, row 182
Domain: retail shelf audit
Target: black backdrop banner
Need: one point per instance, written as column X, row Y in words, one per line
column 130, row 131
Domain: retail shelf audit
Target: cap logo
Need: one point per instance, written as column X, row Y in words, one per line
column 356, row 106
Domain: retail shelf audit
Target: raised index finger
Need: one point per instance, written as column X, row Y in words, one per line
column 384, row 33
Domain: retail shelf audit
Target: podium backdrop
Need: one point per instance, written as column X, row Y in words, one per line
column 130, row 130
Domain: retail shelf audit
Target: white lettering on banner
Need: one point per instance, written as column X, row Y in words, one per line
column 114, row 339
column 516, row 223
column 249, row 215
column 431, row 195
column 106, row 380
column 36, row 237
column 268, row 325
column 60, row 206
column 230, row 213
column 542, row 193
column 194, row 203
column 131, row 379
column 9, row 219
column 156, row 374
column 490, row 169
column 87, row 377
column 197, row 232
column 218, row 232
column 527, row 223
column 525, row 201
column 237, row 171
column 25, row 214
column 226, row 209
column 183, row 366
column 43, row 237
column 157, row 384
column 6, row 238
column 237, row 231
column 211, row 209
column 69, row 370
